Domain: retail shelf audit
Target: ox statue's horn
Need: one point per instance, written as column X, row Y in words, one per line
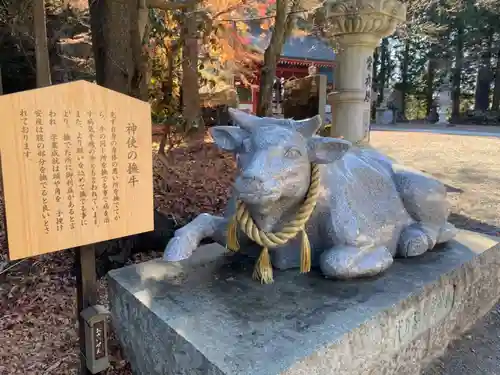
column 243, row 119
column 248, row 121
column 308, row 127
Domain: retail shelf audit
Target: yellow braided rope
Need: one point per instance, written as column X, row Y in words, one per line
column 243, row 220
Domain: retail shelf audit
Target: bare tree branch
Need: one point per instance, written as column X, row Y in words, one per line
column 170, row 5
column 261, row 18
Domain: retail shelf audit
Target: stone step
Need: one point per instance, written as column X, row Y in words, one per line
column 206, row 315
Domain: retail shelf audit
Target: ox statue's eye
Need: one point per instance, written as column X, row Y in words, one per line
column 292, row 153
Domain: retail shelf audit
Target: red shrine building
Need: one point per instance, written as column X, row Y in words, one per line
column 299, row 54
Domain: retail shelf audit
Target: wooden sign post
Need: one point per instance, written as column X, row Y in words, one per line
column 77, row 169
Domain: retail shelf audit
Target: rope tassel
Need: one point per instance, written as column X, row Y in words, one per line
column 263, row 270
column 305, row 253
column 232, row 235
column 242, row 220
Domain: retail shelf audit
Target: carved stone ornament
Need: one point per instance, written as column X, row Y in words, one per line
column 377, row 17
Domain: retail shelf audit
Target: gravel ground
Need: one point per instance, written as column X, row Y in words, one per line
column 470, row 166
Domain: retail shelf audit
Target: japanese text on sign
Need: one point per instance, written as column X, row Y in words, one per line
column 132, row 169
column 89, row 155
column 79, row 170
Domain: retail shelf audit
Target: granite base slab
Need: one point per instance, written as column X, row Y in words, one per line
column 206, row 315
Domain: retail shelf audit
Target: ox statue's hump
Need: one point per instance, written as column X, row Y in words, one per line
column 365, row 205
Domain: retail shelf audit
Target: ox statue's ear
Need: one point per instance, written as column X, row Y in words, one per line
column 229, row 138
column 324, row 150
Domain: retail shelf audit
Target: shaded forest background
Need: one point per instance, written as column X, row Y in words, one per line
column 163, row 51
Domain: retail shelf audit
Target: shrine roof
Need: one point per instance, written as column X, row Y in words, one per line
column 301, row 47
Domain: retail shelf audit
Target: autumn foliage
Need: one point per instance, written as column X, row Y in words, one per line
column 226, row 45
column 225, row 52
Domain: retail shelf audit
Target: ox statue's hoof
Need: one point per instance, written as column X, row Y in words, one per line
column 447, row 233
column 179, row 248
column 348, row 262
column 413, row 242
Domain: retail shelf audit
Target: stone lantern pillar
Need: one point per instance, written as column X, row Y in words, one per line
column 358, row 27
column 444, row 102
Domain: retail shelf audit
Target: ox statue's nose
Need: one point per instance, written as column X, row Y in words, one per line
column 251, row 182
column 254, row 189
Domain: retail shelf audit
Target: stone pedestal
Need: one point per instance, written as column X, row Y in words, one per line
column 444, row 105
column 206, row 315
column 384, row 116
column 443, row 117
column 358, row 26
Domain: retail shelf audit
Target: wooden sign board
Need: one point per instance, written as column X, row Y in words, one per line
column 77, row 167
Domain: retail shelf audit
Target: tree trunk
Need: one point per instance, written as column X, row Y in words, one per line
column 43, row 76
column 191, row 104
column 271, row 57
column 389, row 67
column 404, row 77
column 495, row 105
column 484, row 77
column 1, row 81
column 120, row 61
column 384, row 69
column 168, row 84
column 457, row 72
column 429, row 90
column 290, row 24
column 375, row 69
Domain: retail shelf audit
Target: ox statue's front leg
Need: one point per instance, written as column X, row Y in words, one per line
column 349, row 262
column 188, row 238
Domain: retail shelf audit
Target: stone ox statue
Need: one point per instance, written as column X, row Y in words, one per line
column 368, row 209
